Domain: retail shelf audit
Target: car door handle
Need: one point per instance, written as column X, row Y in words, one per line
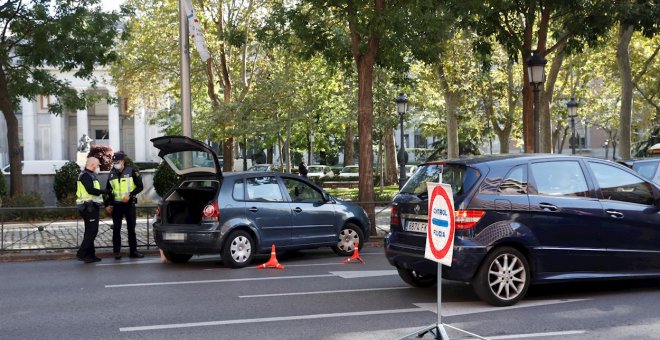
column 253, row 209
column 614, row 213
column 548, row 207
column 297, row 210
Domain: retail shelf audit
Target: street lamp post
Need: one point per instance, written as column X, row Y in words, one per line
column 536, row 72
column 572, row 106
column 401, row 108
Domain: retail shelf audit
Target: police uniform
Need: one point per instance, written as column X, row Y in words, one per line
column 124, row 183
column 88, row 202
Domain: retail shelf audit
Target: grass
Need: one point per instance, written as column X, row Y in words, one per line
column 352, row 194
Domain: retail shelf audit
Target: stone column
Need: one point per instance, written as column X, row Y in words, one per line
column 140, row 128
column 82, row 125
column 29, row 123
column 113, row 124
column 57, row 136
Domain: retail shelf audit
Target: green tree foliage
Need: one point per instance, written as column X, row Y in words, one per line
column 40, row 36
column 65, row 183
column 164, row 179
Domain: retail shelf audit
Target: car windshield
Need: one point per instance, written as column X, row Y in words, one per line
column 312, row 168
column 460, row 177
column 190, row 161
column 259, row 168
column 350, row 170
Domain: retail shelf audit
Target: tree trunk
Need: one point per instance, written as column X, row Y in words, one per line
column 452, row 100
column 546, row 99
column 13, row 144
column 390, row 158
column 625, row 115
column 349, row 155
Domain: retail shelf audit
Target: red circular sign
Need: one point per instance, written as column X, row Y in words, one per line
column 439, row 192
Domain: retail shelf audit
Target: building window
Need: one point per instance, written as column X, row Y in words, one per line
column 420, row 142
column 101, row 134
column 44, row 101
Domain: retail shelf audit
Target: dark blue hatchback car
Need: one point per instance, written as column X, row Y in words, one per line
column 240, row 214
column 523, row 219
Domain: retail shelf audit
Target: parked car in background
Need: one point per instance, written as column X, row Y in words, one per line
column 319, row 171
column 527, row 219
column 350, row 171
column 240, row 214
column 648, row 168
column 41, row 167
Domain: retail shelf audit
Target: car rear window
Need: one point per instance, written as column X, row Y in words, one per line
column 461, row 178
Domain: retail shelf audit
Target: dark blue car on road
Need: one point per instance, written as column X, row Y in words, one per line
column 240, row 214
column 523, row 219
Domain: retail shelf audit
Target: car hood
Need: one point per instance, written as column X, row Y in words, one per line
column 187, row 156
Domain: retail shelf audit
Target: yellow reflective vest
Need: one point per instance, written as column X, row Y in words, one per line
column 122, row 183
column 82, row 195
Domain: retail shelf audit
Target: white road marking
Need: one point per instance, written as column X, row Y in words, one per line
column 536, row 335
column 353, row 274
column 324, row 292
column 271, row 319
column 472, row 307
column 295, row 265
column 146, row 284
column 128, row 263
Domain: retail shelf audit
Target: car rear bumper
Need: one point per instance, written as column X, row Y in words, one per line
column 194, row 242
column 410, row 255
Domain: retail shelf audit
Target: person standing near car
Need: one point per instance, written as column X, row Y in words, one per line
column 126, row 183
column 302, row 169
column 88, row 202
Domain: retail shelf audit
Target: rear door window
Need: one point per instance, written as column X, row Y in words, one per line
column 560, row 178
column 647, row 169
column 264, row 189
column 515, row 182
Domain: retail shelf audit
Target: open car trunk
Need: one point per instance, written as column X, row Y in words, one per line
column 185, row 204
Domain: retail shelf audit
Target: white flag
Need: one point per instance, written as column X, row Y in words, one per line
column 195, row 30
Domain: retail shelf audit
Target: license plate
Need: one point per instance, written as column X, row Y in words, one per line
column 419, row 227
column 174, row 236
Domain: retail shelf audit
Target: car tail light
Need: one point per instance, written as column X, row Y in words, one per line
column 158, row 212
column 394, row 216
column 467, row 219
column 211, row 212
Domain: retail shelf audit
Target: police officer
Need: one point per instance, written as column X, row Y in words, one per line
column 126, row 183
column 88, row 202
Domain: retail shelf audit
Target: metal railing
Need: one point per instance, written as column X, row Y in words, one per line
column 62, row 228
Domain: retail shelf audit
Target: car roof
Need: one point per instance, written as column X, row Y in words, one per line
column 474, row 160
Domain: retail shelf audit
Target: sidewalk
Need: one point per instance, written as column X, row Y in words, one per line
column 31, row 241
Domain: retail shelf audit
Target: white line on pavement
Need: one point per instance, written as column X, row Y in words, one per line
column 536, row 335
column 271, row 319
column 451, row 308
column 129, row 263
column 213, row 281
column 324, row 292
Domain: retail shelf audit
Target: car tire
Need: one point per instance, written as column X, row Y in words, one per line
column 415, row 279
column 177, row 258
column 503, row 278
column 348, row 235
column 238, row 250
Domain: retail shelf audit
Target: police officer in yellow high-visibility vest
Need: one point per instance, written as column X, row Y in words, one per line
column 88, row 202
column 126, row 183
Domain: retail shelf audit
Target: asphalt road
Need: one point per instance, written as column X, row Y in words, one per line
column 314, row 297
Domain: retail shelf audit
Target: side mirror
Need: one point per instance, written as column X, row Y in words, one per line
column 326, row 197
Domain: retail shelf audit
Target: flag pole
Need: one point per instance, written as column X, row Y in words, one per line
column 186, row 108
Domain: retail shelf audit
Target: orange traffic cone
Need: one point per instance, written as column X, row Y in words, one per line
column 356, row 255
column 272, row 263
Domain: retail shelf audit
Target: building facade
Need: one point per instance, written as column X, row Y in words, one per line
column 122, row 125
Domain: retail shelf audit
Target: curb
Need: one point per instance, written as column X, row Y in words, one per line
column 70, row 254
